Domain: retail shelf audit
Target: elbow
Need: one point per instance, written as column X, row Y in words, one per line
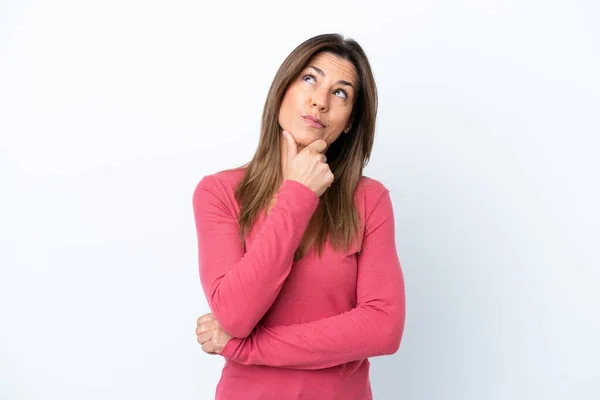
column 234, row 322
column 390, row 323
column 393, row 344
column 239, row 332
column 393, row 334
column 235, row 327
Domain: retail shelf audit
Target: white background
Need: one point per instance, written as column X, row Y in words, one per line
column 487, row 137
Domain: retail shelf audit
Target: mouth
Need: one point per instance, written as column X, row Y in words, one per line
column 313, row 121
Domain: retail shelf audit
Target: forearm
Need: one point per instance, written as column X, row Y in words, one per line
column 241, row 286
column 363, row 332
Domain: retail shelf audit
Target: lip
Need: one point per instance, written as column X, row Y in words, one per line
column 313, row 121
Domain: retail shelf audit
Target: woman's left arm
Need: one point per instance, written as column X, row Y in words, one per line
column 373, row 328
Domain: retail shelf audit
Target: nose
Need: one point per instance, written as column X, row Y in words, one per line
column 319, row 100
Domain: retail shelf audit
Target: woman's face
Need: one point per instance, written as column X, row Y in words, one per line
column 325, row 90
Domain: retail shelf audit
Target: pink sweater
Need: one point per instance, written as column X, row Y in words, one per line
column 302, row 329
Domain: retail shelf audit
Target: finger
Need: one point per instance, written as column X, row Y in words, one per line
column 204, row 337
column 206, row 326
column 318, row 145
column 292, row 147
column 205, row 318
column 209, row 347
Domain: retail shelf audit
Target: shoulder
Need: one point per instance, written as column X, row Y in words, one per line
column 369, row 197
column 219, row 186
column 369, row 191
column 225, row 180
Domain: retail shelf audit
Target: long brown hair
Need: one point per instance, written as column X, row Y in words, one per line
column 347, row 156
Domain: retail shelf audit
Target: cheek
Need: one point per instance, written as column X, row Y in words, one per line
column 342, row 117
column 284, row 108
column 288, row 102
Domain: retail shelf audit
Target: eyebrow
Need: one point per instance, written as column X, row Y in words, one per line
column 320, row 72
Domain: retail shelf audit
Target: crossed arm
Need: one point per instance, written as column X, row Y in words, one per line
column 374, row 327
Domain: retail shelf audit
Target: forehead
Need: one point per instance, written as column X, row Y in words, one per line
column 334, row 67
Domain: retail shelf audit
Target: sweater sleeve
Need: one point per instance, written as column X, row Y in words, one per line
column 374, row 327
column 240, row 287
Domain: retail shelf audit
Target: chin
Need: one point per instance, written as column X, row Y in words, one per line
column 305, row 136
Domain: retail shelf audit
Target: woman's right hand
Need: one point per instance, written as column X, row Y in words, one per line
column 308, row 166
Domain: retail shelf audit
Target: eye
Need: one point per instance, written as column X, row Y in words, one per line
column 343, row 92
column 307, row 76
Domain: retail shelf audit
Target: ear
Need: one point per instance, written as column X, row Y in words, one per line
column 348, row 128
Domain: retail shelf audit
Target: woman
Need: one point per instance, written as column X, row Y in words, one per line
column 296, row 248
